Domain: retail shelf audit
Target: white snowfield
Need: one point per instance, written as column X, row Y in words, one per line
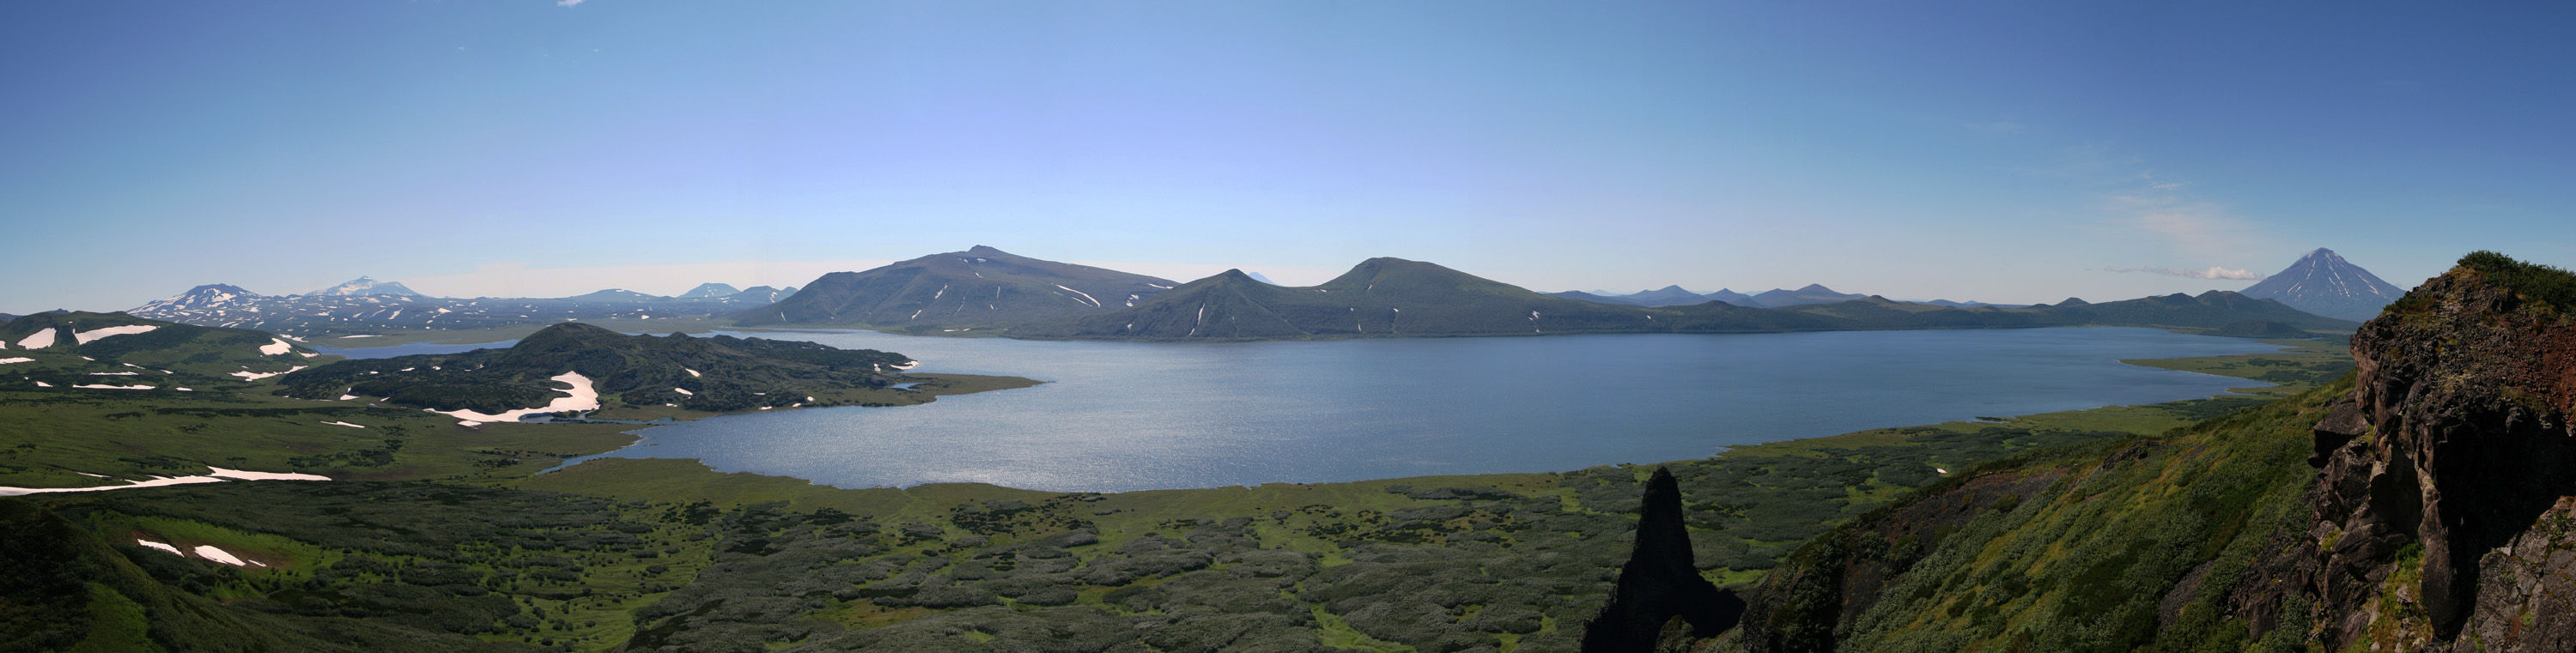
column 85, row 337
column 102, row 386
column 219, row 475
column 692, row 373
column 354, row 426
column 254, row 376
column 157, row 545
column 581, row 397
column 38, row 340
column 274, row 347
column 907, row 365
column 1085, row 296
column 5, row 361
column 209, row 552
column 684, row 391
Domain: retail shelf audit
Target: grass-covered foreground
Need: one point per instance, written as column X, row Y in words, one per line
column 438, row 538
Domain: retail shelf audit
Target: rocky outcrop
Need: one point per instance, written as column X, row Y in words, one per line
column 1660, row 584
column 2442, row 506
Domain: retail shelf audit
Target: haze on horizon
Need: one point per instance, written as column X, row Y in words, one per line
column 2002, row 152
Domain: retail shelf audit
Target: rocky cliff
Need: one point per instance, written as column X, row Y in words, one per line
column 2441, row 515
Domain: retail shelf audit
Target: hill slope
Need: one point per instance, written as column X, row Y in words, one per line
column 720, row 373
column 2325, row 284
column 79, row 349
column 979, row 287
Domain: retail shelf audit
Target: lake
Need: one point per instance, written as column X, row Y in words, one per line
column 1117, row 416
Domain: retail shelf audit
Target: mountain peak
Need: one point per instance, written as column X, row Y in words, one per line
column 1817, row 288
column 364, row 287
column 986, row 250
column 2323, row 283
column 710, row 291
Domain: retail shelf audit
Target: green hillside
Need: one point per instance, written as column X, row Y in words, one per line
column 119, row 351
column 978, row 288
column 2118, row 545
column 721, row 373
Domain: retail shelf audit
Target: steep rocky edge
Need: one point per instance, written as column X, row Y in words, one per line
column 2422, row 504
column 2446, row 474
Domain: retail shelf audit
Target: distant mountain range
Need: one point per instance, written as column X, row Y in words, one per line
column 981, row 287
column 2325, row 284
column 1380, row 296
column 1394, row 297
column 1775, row 298
column 986, row 290
column 366, row 306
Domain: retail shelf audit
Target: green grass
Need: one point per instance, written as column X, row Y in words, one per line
column 2549, row 285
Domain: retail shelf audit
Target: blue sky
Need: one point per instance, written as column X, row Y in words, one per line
column 2009, row 152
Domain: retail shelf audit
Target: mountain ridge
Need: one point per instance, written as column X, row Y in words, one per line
column 977, row 288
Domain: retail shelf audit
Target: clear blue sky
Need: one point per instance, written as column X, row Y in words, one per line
column 1994, row 151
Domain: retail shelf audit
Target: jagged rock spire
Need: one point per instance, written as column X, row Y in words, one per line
column 1660, row 582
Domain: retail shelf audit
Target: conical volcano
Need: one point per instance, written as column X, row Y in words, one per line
column 2324, row 284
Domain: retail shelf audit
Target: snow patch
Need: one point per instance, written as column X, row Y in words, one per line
column 692, row 373
column 41, row 339
column 254, row 376
column 684, row 391
column 157, row 545
column 85, row 337
column 219, row 475
column 354, row 426
column 1085, row 296
column 101, row 386
column 580, row 397
column 209, row 552
column 274, row 347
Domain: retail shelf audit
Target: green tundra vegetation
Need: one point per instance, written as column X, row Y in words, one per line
column 436, row 536
column 2119, row 544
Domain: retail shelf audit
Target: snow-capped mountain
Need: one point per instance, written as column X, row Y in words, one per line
column 207, row 300
column 367, row 306
column 2324, row 284
column 366, row 287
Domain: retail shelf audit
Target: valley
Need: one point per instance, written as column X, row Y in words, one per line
column 641, row 553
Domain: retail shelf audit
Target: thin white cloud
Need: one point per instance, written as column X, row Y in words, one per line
column 2211, row 272
column 2184, row 223
column 567, row 3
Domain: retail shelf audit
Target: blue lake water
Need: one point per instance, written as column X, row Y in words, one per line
column 1116, row 416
